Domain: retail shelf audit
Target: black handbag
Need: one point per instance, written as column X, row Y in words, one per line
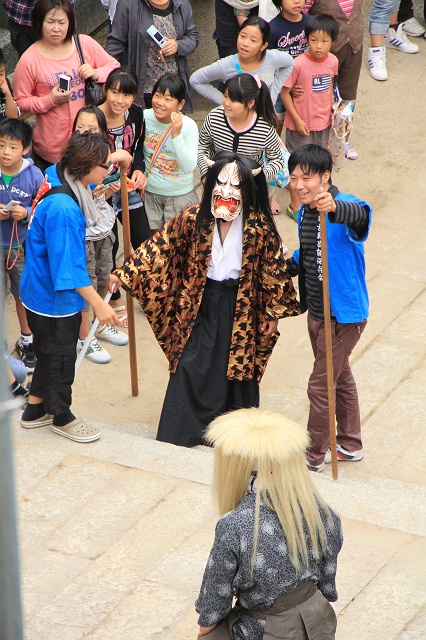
column 94, row 91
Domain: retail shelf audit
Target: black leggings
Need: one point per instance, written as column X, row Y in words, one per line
column 139, row 232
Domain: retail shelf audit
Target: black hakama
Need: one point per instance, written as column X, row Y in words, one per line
column 199, row 391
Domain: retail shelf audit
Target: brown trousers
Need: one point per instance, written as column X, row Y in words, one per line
column 344, row 338
column 302, row 613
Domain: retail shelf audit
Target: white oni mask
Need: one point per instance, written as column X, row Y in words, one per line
column 226, row 196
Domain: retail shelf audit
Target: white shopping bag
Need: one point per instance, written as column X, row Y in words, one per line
column 267, row 10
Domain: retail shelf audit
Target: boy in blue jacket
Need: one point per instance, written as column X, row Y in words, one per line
column 19, row 182
column 348, row 223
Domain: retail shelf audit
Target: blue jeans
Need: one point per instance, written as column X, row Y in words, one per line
column 380, row 15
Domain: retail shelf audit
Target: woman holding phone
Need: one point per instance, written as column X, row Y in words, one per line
column 37, row 86
column 130, row 42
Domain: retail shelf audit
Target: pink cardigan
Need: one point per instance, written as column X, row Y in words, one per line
column 36, row 75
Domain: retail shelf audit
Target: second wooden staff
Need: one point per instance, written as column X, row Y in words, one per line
column 129, row 300
column 328, row 345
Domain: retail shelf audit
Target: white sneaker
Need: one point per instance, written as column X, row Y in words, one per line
column 94, row 352
column 413, row 27
column 398, row 40
column 377, row 63
column 110, row 334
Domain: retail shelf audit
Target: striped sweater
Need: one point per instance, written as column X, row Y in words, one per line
column 261, row 138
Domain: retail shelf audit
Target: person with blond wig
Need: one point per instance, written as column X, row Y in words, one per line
column 277, row 541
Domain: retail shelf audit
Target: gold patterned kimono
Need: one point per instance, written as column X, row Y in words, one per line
column 167, row 274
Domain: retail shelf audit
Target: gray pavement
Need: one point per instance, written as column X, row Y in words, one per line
column 114, row 535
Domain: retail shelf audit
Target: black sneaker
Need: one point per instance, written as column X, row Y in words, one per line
column 26, row 354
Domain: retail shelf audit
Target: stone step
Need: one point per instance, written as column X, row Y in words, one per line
column 359, row 495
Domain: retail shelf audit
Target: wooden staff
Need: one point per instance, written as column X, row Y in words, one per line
column 129, row 300
column 328, row 344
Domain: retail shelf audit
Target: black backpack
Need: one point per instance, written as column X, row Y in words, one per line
column 64, row 187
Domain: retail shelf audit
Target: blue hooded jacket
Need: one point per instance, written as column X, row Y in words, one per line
column 23, row 187
column 55, row 264
column 346, row 268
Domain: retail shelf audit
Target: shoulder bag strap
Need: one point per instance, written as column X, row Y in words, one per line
column 159, row 146
column 237, row 64
column 78, row 47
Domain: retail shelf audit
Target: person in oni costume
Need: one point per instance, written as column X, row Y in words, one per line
column 213, row 283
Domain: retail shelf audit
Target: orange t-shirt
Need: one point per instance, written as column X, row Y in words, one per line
column 316, row 78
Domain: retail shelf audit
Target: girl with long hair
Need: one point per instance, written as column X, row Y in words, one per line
column 271, row 66
column 36, row 81
column 170, row 148
column 277, row 540
column 245, row 123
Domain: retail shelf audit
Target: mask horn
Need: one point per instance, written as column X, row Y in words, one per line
column 208, row 161
column 256, row 172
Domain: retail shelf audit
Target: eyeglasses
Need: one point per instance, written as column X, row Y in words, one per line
column 105, row 166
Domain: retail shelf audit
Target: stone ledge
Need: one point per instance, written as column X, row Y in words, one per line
column 358, row 495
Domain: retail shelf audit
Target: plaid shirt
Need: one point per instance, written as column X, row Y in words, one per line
column 20, row 12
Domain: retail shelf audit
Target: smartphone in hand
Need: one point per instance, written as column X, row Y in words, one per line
column 12, row 203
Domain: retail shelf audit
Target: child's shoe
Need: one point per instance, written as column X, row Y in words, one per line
column 26, row 354
column 95, row 352
column 350, row 152
column 292, row 213
column 275, row 207
column 110, row 334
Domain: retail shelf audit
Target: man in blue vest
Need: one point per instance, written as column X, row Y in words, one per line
column 348, row 223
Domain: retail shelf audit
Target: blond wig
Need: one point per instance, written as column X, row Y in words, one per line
column 274, row 446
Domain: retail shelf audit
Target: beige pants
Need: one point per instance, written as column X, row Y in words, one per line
column 302, row 612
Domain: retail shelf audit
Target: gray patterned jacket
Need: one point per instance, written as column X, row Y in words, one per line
column 227, row 573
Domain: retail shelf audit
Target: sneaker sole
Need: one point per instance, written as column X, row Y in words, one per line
column 393, row 46
column 341, row 456
column 26, row 424
column 115, row 344
column 97, row 361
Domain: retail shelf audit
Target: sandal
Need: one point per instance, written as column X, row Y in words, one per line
column 121, row 312
column 292, row 213
column 275, row 207
column 350, row 152
column 77, row 431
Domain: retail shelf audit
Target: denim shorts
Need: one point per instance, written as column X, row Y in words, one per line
column 16, row 272
column 279, row 109
column 380, row 15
